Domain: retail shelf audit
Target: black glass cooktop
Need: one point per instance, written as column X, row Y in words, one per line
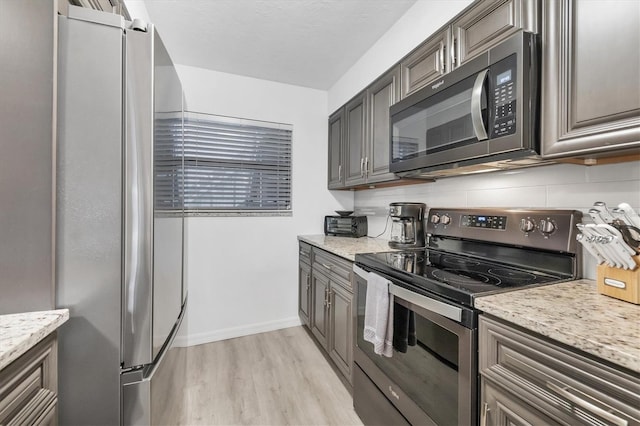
column 457, row 277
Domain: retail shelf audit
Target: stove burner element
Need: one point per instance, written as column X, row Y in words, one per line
column 512, row 275
column 460, row 262
column 460, row 277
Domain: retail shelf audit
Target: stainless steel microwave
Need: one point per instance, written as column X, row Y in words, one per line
column 481, row 116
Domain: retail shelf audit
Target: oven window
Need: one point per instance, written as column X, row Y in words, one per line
column 424, row 362
column 436, row 124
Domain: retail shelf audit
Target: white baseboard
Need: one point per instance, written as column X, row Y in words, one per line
column 230, row 333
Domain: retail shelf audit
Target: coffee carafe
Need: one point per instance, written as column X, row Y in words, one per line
column 407, row 225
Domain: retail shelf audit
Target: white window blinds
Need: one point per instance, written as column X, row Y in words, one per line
column 231, row 166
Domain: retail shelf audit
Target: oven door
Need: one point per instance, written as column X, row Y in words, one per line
column 431, row 379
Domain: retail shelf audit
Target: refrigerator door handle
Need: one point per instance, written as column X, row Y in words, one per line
column 145, row 373
column 138, row 200
column 144, row 393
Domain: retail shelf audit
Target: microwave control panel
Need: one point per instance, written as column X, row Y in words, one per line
column 502, row 95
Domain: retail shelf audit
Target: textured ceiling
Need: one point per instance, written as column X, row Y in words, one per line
column 307, row 43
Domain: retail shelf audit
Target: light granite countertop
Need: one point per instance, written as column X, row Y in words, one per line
column 574, row 313
column 21, row 332
column 347, row 247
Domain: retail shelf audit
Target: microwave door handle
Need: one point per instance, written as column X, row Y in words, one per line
column 476, row 106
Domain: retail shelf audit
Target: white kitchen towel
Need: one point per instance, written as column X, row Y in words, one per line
column 378, row 315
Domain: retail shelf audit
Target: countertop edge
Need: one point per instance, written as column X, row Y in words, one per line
column 346, row 247
column 21, row 332
column 555, row 324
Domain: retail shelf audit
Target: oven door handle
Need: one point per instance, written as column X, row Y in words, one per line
column 427, row 303
column 433, row 305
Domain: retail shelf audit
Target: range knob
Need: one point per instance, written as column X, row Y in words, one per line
column 445, row 219
column 435, row 219
column 527, row 225
column 547, row 226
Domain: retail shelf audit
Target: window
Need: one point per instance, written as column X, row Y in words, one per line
column 232, row 166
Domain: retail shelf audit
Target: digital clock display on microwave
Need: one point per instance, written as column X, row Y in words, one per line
column 504, row 77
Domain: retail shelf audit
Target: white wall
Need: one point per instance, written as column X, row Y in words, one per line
column 562, row 186
column 242, row 271
column 415, row 26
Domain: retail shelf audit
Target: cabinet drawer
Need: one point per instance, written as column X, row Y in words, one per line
column 28, row 386
column 556, row 380
column 304, row 253
column 334, row 267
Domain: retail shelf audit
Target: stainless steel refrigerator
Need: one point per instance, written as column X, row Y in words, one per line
column 119, row 249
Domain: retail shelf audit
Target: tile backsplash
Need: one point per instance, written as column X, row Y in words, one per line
column 565, row 186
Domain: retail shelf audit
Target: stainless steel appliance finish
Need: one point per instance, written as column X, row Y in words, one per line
column 120, row 260
column 407, row 225
column 479, row 117
column 432, row 377
column 433, row 380
column 27, row 140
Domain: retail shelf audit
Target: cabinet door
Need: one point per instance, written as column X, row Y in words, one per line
column 340, row 326
column 319, row 296
column 354, row 140
column 590, row 69
column 304, row 286
column 488, row 23
column 498, row 407
column 336, row 145
column 383, row 93
column 425, row 64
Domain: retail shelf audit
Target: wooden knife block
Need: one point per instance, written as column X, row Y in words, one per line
column 610, row 281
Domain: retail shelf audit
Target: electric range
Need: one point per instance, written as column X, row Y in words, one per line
column 432, row 375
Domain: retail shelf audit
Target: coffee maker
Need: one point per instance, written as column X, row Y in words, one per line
column 407, row 225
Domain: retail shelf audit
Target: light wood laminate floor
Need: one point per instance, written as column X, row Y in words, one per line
column 274, row 378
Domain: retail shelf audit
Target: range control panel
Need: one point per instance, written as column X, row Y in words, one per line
column 542, row 229
column 483, row 221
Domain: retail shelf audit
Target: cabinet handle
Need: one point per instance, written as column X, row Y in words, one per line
column 362, row 167
column 366, row 165
column 326, row 296
column 611, row 418
column 326, row 266
column 442, row 59
column 308, row 281
column 453, row 53
column 329, row 299
column 485, row 414
column 340, row 172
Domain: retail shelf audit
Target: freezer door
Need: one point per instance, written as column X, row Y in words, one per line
column 156, row 394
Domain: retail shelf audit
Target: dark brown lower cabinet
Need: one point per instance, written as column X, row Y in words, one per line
column 330, row 299
column 304, row 294
column 29, row 385
column 499, row 407
column 528, row 379
column 319, row 315
column 340, row 331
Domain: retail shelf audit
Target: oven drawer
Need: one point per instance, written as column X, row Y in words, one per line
column 334, row 267
column 556, row 381
column 371, row 405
